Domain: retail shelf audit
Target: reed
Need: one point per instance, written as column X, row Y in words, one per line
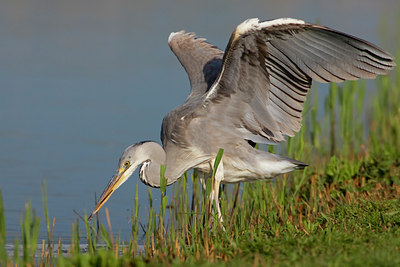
column 3, row 240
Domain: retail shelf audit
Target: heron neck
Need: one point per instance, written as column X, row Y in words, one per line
column 150, row 170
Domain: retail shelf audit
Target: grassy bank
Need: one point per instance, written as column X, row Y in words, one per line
column 343, row 209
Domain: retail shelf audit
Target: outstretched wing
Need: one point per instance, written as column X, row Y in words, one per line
column 201, row 60
column 268, row 68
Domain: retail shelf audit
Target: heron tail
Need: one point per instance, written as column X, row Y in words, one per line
column 299, row 164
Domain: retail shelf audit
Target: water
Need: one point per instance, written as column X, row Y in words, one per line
column 81, row 80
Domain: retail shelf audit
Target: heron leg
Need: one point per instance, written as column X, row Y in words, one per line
column 219, row 176
column 202, row 179
column 215, row 197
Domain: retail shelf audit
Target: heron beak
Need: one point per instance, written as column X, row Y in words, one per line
column 116, row 181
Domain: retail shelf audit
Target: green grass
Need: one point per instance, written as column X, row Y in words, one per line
column 342, row 210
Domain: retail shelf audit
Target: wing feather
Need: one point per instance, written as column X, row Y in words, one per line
column 201, row 60
column 268, row 67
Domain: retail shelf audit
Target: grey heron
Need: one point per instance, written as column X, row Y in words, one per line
column 253, row 92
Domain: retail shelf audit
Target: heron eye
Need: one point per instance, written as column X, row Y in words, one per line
column 127, row 163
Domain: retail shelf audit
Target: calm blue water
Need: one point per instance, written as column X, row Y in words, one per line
column 81, row 80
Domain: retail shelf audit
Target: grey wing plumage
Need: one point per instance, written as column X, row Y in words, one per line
column 268, row 68
column 201, row 60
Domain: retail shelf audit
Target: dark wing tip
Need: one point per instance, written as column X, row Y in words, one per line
column 361, row 44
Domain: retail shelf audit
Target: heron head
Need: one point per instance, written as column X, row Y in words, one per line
column 132, row 157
